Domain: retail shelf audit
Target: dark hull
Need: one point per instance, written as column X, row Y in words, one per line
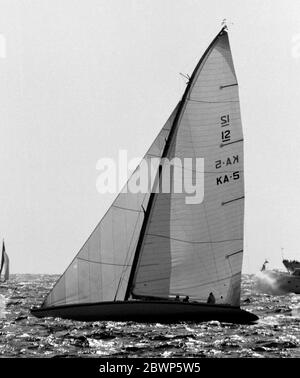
column 147, row 311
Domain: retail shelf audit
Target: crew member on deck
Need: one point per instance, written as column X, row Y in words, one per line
column 211, row 299
column 264, row 265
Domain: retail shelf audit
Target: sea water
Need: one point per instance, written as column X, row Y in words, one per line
column 276, row 334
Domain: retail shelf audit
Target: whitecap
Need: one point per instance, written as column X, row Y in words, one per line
column 3, row 301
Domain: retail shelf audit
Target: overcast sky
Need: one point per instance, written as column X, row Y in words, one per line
column 80, row 80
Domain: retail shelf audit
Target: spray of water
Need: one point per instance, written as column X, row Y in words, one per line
column 269, row 283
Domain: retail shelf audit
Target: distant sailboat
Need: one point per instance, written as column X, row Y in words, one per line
column 4, row 266
column 150, row 251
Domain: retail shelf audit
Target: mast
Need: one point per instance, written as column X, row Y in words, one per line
column 165, row 153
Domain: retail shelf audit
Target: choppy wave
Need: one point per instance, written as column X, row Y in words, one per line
column 276, row 334
column 2, row 306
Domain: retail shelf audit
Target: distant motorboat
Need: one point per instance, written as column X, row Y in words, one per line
column 291, row 265
column 288, row 282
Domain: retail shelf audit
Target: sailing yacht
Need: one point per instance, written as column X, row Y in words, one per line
column 153, row 256
column 4, row 265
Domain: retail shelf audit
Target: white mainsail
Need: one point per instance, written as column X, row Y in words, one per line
column 100, row 270
column 157, row 245
column 4, row 265
column 195, row 249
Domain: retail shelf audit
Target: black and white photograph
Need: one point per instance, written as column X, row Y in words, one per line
column 150, row 180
